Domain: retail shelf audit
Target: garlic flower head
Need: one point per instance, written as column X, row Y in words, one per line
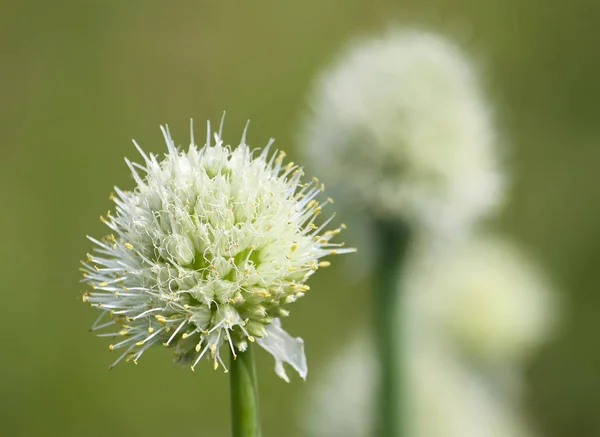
column 208, row 249
column 495, row 303
column 400, row 123
column 444, row 399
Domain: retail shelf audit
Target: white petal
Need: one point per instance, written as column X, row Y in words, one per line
column 285, row 349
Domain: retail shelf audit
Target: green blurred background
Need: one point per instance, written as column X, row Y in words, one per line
column 79, row 79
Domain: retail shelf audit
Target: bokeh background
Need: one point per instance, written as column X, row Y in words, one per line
column 79, row 79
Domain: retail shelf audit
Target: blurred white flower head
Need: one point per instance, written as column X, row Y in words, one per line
column 400, row 123
column 444, row 398
column 208, row 249
column 495, row 303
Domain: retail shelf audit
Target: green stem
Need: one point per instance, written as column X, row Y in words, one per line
column 245, row 418
column 393, row 244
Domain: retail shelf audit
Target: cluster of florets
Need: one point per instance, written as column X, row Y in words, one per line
column 401, row 125
column 209, row 248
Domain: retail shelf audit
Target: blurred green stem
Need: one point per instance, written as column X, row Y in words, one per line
column 393, row 244
column 245, row 418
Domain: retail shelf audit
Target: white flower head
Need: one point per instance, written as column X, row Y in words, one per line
column 444, row 398
column 208, row 249
column 400, row 124
column 496, row 304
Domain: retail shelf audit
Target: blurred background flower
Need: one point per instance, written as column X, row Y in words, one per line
column 79, row 79
column 492, row 299
column 446, row 398
column 474, row 314
column 399, row 124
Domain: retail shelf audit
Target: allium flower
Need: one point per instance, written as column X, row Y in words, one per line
column 445, row 398
column 208, row 249
column 401, row 125
column 492, row 299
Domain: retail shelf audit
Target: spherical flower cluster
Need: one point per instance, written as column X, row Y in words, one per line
column 493, row 300
column 208, row 249
column 401, row 125
column 444, row 399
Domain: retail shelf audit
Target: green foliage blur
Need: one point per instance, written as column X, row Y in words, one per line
column 79, row 79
